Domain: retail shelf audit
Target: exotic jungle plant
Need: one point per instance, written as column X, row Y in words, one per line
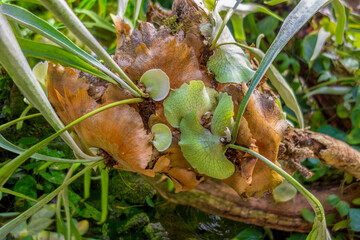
column 179, row 97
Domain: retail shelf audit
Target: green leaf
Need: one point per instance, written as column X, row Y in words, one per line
column 210, row 4
column 340, row 225
column 55, row 177
column 203, row 150
column 340, row 21
column 354, row 214
column 308, row 47
column 343, row 208
column 41, row 220
column 149, row 201
column 307, row 215
column 320, row 42
column 280, row 84
column 40, row 71
column 27, row 186
column 332, row 90
column 162, row 137
column 284, row 192
column 355, row 116
column 186, row 99
column 230, row 65
column 223, row 116
column 249, row 234
column 157, row 83
column 353, row 137
column 356, row 201
column 244, row 9
column 58, row 55
column 274, row 2
column 332, row 199
column 98, row 21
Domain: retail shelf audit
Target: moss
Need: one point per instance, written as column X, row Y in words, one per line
column 155, row 231
column 134, row 191
column 137, row 222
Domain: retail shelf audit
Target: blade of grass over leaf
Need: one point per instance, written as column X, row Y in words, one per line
column 319, row 230
column 279, row 83
column 5, row 144
column 18, row 68
column 64, row 13
column 293, row 22
column 98, row 21
column 29, row 20
column 340, row 21
column 8, row 124
column 137, row 11
column 10, row 167
column 20, row 195
column 59, row 55
column 28, row 213
column 122, row 5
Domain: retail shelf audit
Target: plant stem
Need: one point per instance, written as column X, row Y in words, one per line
column 9, row 168
column 224, row 22
column 8, row 124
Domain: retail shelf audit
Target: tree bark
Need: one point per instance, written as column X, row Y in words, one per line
column 216, row 197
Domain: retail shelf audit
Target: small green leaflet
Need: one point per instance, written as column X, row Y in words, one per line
column 203, row 150
column 162, row 137
column 187, row 98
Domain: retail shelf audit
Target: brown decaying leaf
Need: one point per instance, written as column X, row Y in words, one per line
column 263, row 123
column 119, row 131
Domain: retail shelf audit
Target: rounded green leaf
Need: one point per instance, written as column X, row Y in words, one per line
column 284, row 192
column 203, row 150
column 40, row 72
column 157, row 83
column 186, row 99
column 162, row 137
column 223, row 116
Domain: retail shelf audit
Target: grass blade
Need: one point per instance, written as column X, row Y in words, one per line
column 340, row 21
column 28, row 213
column 20, row 195
column 293, row 22
column 10, row 167
column 18, row 68
column 319, row 230
column 58, row 55
column 104, row 193
column 8, row 124
column 64, row 13
column 98, row 21
column 36, row 24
